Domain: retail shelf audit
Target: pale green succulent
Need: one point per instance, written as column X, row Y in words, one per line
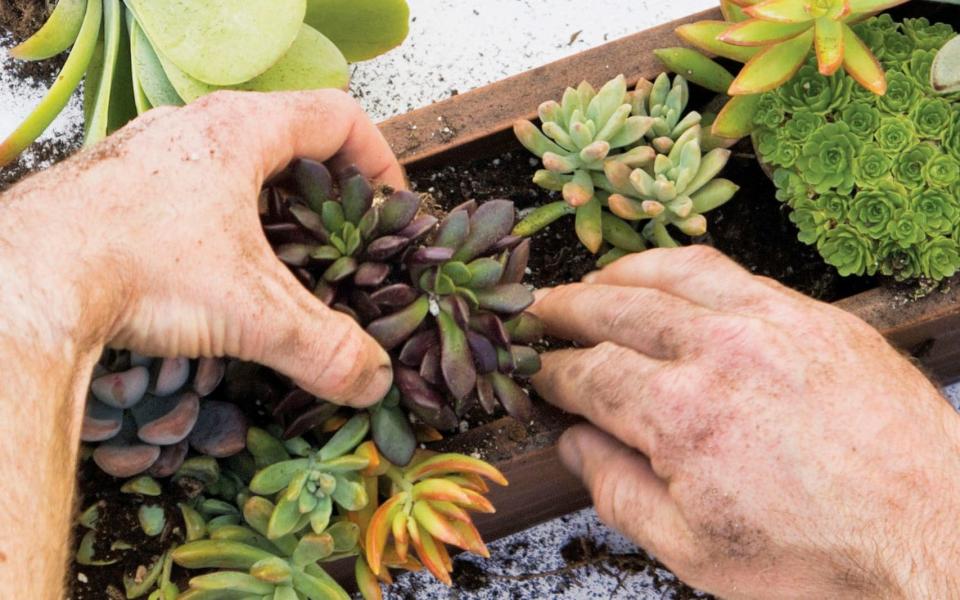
column 677, row 190
column 589, row 135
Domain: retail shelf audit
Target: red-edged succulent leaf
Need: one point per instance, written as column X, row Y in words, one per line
column 828, row 41
column 170, row 460
column 427, row 550
column 436, row 524
column 398, row 211
column 378, row 530
column 443, row 464
column 861, row 64
column 704, row 35
column 165, row 421
column 736, row 119
column 123, row 389
column 478, row 502
column 781, row 11
column 773, row 67
column 401, row 536
column 436, row 488
column 731, row 12
column 472, row 541
column 513, row 398
column 756, row 32
column 100, row 421
column 470, row 481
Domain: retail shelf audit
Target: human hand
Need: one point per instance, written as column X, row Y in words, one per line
column 760, row 444
column 162, row 219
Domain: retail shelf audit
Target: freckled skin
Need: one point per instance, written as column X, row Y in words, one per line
column 763, row 445
column 151, row 241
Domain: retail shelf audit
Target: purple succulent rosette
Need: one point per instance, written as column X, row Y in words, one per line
column 144, row 414
column 446, row 300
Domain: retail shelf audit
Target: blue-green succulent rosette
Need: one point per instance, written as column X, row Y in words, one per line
column 873, row 181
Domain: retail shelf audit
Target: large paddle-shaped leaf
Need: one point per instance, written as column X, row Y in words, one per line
column 56, row 35
column 945, row 73
column 361, row 29
column 148, row 71
column 313, row 62
column 59, row 94
column 221, row 42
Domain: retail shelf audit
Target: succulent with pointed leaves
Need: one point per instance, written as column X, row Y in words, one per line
column 666, row 103
column 146, row 414
column 775, row 37
column 252, row 565
column 308, row 485
column 460, row 338
column 428, row 509
column 451, row 312
column 338, row 242
column 681, row 186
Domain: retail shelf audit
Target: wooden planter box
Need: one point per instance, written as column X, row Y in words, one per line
column 477, row 125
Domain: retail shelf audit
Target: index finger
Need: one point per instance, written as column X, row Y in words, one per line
column 322, row 125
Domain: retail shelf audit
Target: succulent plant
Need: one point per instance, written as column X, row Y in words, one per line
column 891, row 161
column 272, row 542
column 450, row 311
column 427, row 509
column 662, row 128
column 137, row 54
column 145, row 414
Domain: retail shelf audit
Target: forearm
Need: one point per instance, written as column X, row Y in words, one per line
column 52, row 330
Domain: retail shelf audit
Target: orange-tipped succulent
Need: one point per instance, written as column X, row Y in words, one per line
column 774, row 38
column 427, row 511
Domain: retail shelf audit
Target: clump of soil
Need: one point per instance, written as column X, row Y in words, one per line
column 117, row 523
column 23, row 17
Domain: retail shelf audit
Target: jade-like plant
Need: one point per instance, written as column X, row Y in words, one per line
column 138, row 54
column 446, row 301
column 145, row 414
column 594, row 144
column 872, row 180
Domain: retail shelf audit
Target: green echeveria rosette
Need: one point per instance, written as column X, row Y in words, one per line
column 895, row 135
column 932, row 117
column 827, row 159
column 910, row 167
column 926, row 35
column 873, row 165
column 939, row 210
column 862, row 119
column 898, row 262
column 811, row 91
column 770, row 112
column 872, row 211
column 802, row 125
column 920, row 66
column 939, row 257
column 941, row 171
column 446, row 300
column 897, row 48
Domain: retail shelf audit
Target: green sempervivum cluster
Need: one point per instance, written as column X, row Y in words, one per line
column 872, row 180
column 591, row 142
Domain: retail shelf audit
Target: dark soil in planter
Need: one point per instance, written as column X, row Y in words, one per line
column 753, row 228
column 23, row 17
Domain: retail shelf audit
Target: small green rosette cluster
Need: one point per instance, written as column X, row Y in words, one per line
column 593, row 144
column 873, row 181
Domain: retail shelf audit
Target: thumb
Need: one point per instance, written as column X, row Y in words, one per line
column 626, row 492
column 324, row 351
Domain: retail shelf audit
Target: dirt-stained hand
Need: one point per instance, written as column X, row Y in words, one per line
column 761, row 444
column 166, row 214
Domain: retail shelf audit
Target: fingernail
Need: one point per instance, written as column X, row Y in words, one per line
column 569, row 450
column 590, row 277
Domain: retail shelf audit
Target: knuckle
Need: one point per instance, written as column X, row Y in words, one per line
column 739, row 331
column 598, row 383
column 696, row 256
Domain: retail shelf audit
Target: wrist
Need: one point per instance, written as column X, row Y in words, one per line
column 63, row 289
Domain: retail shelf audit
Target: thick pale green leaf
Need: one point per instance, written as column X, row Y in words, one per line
column 703, row 35
column 761, row 33
column 149, row 73
column 59, row 94
column 139, row 96
column 773, row 67
column 123, row 107
column 588, row 225
column 696, row 68
column 861, row 64
column 732, row 12
column 362, row 29
column 828, row 40
column 221, row 42
column 57, row 34
column 313, row 62
column 736, row 119
column 91, row 82
column 98, row 123
column 945, row 73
